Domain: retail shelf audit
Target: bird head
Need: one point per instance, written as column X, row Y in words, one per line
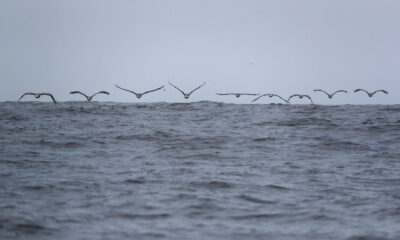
column 139, row 95
column 37, row 95
column 237, row 95
column 186, row 96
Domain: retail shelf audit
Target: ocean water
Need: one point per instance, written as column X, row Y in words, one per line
column 203, row 170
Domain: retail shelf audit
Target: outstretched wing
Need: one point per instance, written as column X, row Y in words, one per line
column 259, row 97
column 126, row 90
column 294, row 95
column 320, row 90
column 281, row 98
column 308, row 98
column 50, row 95
column 249, row 94
column 385, row 92
column 153, row 90
column 357, row 90
column 78, row 92
column 28, row 93
column 101, row 92
column 204, row 83
column 338, row 91
column 223, row 94
column 176, row 88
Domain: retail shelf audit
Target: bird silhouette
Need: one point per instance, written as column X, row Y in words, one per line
column 330, row 95
column 238, row 94
column 271, row 95
column 38, row 95
column 301, row 96
column 89, row 98
column 139, row 95
column 187, row 95
column 370, row 94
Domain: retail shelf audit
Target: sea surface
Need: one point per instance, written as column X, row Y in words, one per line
column 203, row 170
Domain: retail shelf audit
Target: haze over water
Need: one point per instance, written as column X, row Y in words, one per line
column 202, row 170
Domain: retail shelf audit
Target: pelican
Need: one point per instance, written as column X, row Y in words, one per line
column 330, row 95
column 139, row 95
column 238, row 94
column 271, row 95
column 370, row 94
column 186, row 95
column 89, row 98
column 301, row 96
column 38, row 95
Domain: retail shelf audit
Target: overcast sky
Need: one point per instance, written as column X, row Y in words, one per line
column 258, row 46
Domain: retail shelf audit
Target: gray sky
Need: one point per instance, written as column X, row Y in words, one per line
column 257, row 46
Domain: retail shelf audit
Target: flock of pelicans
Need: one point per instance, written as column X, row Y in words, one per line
column 187, row 95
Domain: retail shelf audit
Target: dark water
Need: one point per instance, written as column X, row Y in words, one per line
column 202, row 170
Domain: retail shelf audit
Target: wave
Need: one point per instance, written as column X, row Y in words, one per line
column 260, row 216
column 212, row 185
column 255, row 200
column 142, row 216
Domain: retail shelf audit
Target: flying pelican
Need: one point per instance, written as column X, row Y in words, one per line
column 37, row 95
column 330, row 95
column 301, row 96
column 271, row 95
column 370, row 94
column 89, row 98
column 139, row 95
column 186, row 95
column 238, row 94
